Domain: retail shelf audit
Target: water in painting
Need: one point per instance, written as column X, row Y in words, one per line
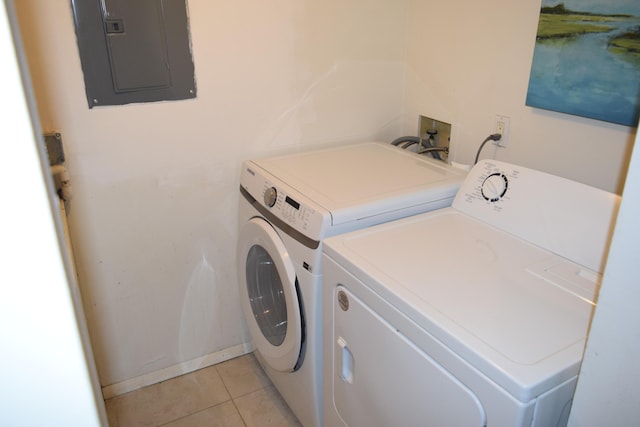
column 587, row 60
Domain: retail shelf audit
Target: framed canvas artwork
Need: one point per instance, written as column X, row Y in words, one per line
column 586, row 60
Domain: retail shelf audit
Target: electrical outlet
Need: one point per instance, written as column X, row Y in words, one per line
column 502, row 127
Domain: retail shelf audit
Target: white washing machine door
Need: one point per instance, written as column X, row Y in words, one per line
column 269, row 296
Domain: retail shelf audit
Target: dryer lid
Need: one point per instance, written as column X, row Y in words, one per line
column 482, row 292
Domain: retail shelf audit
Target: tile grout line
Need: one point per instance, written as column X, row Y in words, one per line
column 209, row 407
column 199, row 411
column 233, row 401
column 227, row 375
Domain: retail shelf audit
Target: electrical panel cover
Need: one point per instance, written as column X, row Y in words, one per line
column 134, row 51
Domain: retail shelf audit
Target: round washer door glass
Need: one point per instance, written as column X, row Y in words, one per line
column 266, row 295
column 269, row 295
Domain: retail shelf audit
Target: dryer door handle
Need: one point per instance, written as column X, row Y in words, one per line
column 346, row 360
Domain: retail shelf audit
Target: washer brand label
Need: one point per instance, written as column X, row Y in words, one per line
column 343, row 300
column 307, row 267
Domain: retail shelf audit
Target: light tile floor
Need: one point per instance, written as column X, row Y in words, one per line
column 235, row 393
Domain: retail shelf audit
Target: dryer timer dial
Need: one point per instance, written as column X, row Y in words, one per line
column 494, row 187
column 270, row 196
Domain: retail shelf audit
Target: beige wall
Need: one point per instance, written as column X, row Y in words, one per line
column 468, row 61
column 153, row 217
column 607, row 389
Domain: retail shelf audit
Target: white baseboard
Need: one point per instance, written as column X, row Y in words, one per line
column 175, row 370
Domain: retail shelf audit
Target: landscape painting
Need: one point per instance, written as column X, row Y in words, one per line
column 586, row 60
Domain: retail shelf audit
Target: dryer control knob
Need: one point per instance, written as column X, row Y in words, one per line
column 270, row 196
column 494, row 187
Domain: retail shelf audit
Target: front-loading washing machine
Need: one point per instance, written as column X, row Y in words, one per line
column 288, row 205
column 474, row 315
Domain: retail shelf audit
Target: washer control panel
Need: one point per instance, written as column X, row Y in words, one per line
column 287, row 207
column 270, row 196
column 284, row 202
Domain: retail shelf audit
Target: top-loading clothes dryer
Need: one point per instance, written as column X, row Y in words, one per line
column 288, row 205
column 472, row 315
